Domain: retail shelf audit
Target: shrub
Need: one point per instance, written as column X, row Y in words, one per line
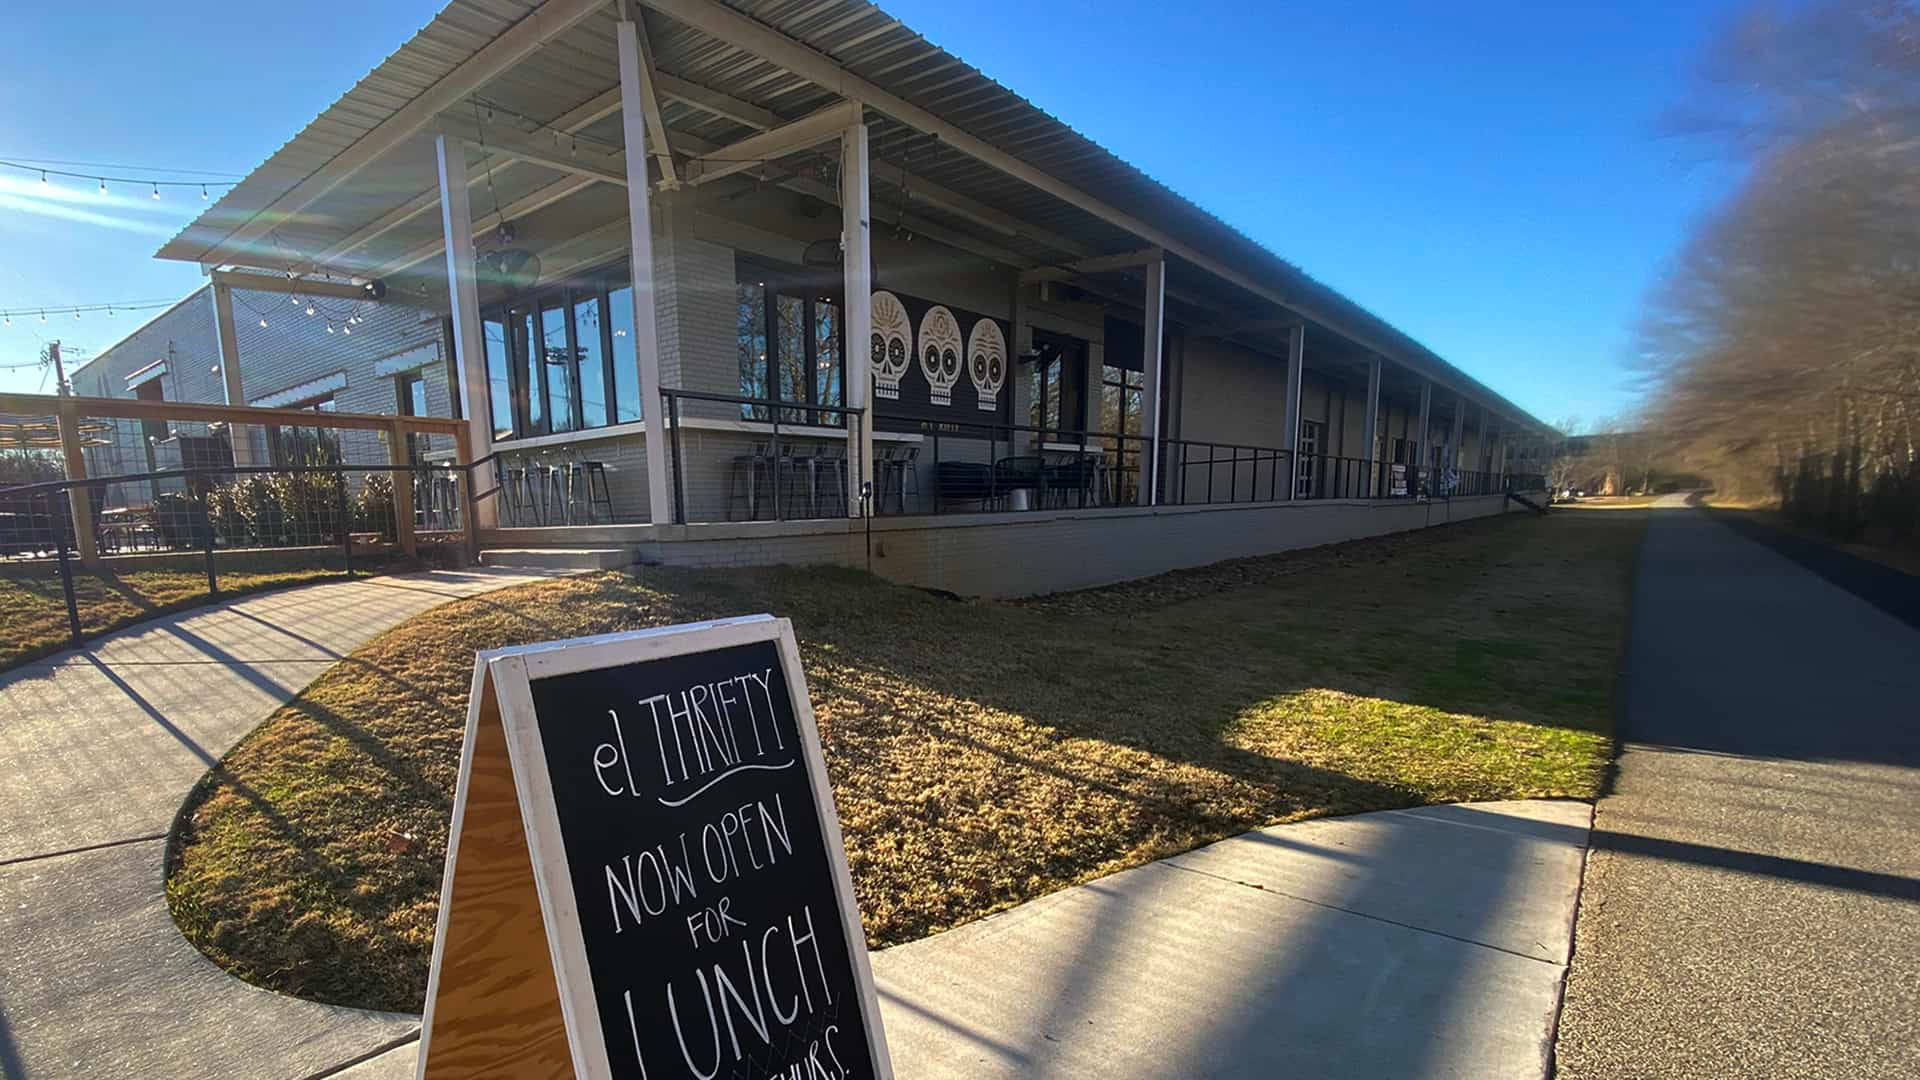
column 376, row 504
column 309, row 504
column 260, row 506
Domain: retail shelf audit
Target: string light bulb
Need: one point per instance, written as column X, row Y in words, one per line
column 329, row 326
column 43, row 176
column 293, row 300
column 156, row 191
column 203, row 193
column 263, row 324
column 309, row 309
column 103, row 187
column 43, row 316
column 346, row 329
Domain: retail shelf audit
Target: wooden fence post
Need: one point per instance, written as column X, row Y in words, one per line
column 402, row 490
column 79, row 499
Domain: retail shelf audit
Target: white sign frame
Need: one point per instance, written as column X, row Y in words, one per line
column 512, row 673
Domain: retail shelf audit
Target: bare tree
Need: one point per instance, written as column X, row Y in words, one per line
column 1785, row 343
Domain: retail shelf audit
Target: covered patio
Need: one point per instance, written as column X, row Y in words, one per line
column 1042, row 327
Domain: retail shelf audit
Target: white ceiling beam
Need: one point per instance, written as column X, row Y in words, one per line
column 581, row 160
column 715, row 102
column 516, row 44
column 895, row 182
column 276, row 283
column 587, row 112
column 526, row 204
column 808, row 131
column 1097, row 264
column 662, row 144
column 918, row 226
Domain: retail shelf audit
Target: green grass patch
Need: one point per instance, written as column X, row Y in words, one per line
column 981, row 753
column 33, row 606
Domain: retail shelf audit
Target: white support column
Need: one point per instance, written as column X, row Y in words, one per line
column 239, row 435
column 1425, row 431
column 646, row 343
column 463, row 299
column 1370, row 426
column 1459, row 431
column 1151, row 392
column 856, row 260
column 1290, row 408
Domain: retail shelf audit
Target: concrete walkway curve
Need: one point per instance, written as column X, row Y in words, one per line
column 99, row 746
column 1424, row 943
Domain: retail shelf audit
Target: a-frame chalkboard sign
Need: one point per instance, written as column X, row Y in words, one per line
column 645, row 875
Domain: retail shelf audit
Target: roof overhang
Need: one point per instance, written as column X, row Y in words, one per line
column 743, row 92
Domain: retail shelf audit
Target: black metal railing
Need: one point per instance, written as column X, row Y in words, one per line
column 804, row 454
column 230, row 510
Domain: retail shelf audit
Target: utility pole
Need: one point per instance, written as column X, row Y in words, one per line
column 59, row 370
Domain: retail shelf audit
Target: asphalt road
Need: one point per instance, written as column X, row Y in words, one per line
column 1752, row 898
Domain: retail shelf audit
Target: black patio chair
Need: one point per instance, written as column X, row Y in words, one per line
column 963, row 481
column 1011, row 474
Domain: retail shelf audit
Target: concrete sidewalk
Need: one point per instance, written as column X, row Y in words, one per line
column 1752, row 905
column 99, row 746
column 1417, row 943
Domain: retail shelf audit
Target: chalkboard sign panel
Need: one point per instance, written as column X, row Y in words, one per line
column 689, row 867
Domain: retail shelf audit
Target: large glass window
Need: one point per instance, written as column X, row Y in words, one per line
column 565, row 359
column 1121, row 394
column 557, row 359
column 411, row 388
column 789, row 344
column 493, row 333
column 1056, row 378
column 532, row 389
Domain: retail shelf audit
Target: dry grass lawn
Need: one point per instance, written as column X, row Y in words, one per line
column 33, row 606
column 981, row 753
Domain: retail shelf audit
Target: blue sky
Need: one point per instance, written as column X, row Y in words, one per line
column 1489, row 178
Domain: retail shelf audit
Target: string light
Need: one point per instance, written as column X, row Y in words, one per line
column 309, row 309
column 263, row 324
column 154, row 183
column 329, row 326
column 79, row 310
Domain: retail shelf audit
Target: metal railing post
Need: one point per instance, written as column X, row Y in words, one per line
column 346, row 525
column 776, row 466
column 679, row 469
column 206, row 519
column 66, row 567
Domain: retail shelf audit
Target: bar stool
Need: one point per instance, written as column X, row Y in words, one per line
column 906, row 466
column 745, row 474
column 554, row 507
column 828, row 466
column 791, row 470
column 587, row 489
column 513, row 494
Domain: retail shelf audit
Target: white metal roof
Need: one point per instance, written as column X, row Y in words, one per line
column 388, row 210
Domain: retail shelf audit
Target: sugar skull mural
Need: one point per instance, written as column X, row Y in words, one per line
column 892, row 344
column 940, row 353
column 987, row 362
